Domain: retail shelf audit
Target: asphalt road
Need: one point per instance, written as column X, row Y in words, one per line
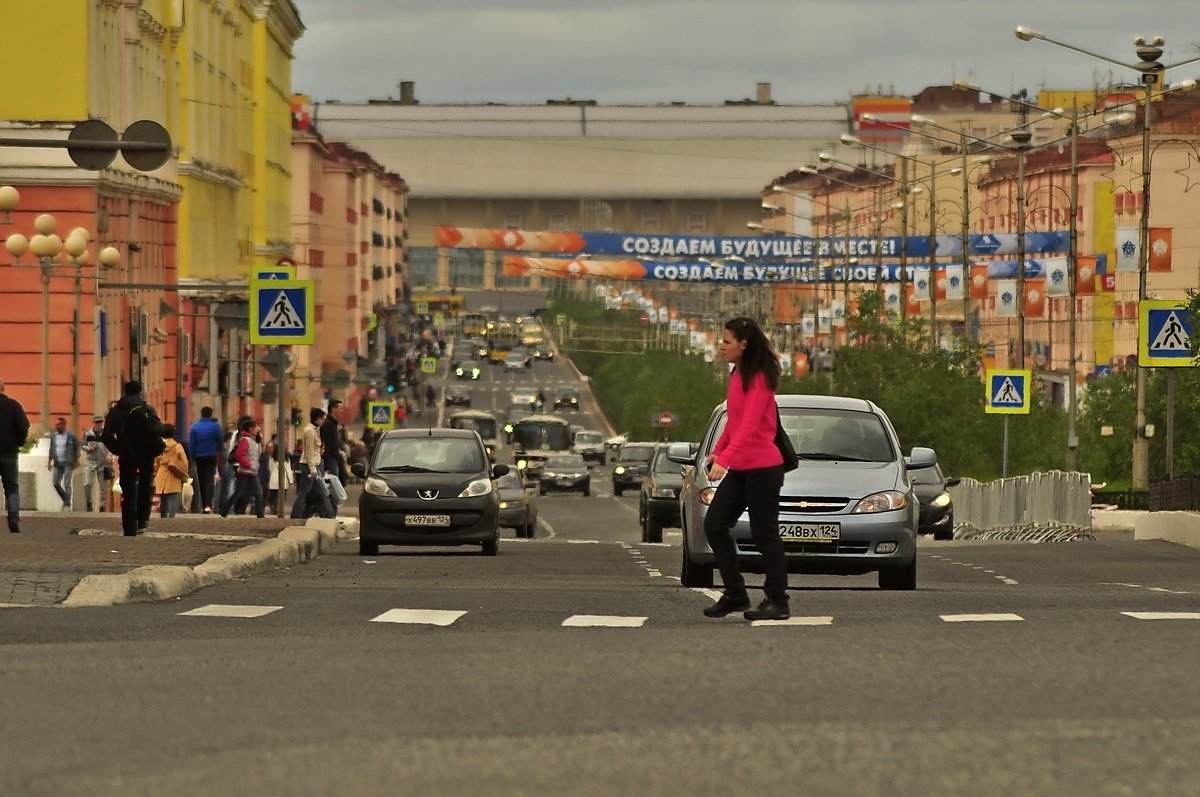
column 575, row 663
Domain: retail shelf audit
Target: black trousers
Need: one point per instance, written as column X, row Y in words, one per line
column 206, row 471
column 137, row 491
column 756, row 491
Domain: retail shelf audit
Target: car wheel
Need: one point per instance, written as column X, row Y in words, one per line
column 654, row 530
column 899, row 577
column 587, row 491
column 541, row 491
column 531, row 529
column 694, row 575
column 367, row 548
column 617, row 491
column 946, row 533
column 492, row 546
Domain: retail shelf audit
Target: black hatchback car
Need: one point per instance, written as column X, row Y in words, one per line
column 937, row 508
column 633, row 462
column 566, row 398
column 429, row 487
column 659, row 504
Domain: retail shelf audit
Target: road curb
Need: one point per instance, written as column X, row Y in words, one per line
column 294, row 545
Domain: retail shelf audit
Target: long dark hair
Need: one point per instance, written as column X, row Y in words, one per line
column 758, row 357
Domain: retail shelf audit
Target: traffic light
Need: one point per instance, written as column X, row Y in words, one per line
column 295, row 416
column 393, row 380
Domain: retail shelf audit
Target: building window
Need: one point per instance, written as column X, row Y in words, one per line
column 651, row 221
column 558, row 222
column 511, row 220
column 697, row 221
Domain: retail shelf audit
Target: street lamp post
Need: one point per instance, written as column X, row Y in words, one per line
column 1152, row 72
column 72, row 254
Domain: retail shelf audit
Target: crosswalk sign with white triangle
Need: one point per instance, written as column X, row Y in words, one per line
column 1008, row 392
column 1164, row 333
column 282, row 312
column 380, row 415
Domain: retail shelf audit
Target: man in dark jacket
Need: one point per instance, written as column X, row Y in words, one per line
column 14, row 429
column 205, row 440
column 133, row 431
column 331, row 437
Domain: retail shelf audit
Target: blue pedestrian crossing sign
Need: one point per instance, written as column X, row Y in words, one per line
column 381, row 415
column 1164, row 333
column 282, row 312
column 1008, row 392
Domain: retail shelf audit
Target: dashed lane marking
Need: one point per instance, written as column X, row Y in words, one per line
column 1163, row 615
column 418, row 617
column 981, row 618
column 230, row 610
column 603, row 621
column 1143, row 586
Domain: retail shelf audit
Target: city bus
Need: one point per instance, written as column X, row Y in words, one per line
column 504, row 338
column 474, row 325
column 532, row 334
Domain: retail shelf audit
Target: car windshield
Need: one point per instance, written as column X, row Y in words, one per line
column 515, row 357
column 829, row 434
column 485, row 426
column 664, row 465
column 566, row 463
column 511, row 481
column 927, row 475
column 541, row 436
column 589, row 437
column 635, row 453
column 429, row 455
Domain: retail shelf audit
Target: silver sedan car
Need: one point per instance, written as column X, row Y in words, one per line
column 848, row 509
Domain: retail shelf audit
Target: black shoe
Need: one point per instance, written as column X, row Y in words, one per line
column 728, row 604
column 768, row 610
column 143, row 525
column 14, row 525
column 131, row 534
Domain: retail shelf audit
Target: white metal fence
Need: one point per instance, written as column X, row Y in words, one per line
column 1055, row 499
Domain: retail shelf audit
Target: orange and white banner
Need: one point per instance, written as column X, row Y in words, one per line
column 480, row 238
column 979, row 282
column 519, row 266
column 1160, row 249
column 1035, row 298
column 1085, row 276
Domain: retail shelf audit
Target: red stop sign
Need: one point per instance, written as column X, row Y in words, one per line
column 665, row 419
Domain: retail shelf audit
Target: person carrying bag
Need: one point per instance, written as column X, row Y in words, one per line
column 170, row 474
column 747, row 465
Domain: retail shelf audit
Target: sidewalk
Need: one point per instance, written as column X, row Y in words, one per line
column 56, row 551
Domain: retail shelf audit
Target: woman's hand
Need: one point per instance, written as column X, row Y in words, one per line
column 716, row 471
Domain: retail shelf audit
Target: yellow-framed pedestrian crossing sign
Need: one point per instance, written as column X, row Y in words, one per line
column 1007, row 392
column 1164, row 334
column 282, row 313
column 381, row 415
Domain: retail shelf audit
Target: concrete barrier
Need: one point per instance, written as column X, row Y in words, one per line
column 1115, row 519
column 1178, row 527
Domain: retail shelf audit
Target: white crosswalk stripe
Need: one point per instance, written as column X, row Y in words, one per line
column 981, row 618
column 793, row 621
column 230, row 610
column 603, row 621
column 1163, row 615
column 418, row 617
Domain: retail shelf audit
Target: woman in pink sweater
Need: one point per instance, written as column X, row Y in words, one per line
column 749, row 471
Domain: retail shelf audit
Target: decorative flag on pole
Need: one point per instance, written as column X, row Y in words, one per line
column 838, row 308
column 1006, row 298
column 891, row 298
column 914, row 304
column 979, row 282
column 1127, row 249
column 1056, row 269
column 1035, row 298
column 1160, row 249
column 1085, row 276
column 920, row 285
column 824, row 326
column 953, row 279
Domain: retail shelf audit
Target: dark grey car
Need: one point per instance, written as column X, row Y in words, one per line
column 848, row 509
column 429, row 487
column 518, row 504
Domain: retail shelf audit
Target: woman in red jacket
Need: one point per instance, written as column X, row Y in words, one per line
column 748, row 469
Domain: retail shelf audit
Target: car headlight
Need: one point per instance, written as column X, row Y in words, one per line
column 504, row 504
column 458, row 372
column 477, row 488
column 664, row 492
column 707, row 494
column 882, row 502
column 508, row 427
column 475, row 372
column 378, row 487
column 522, row 464
column 941, row 500
column 619, row 470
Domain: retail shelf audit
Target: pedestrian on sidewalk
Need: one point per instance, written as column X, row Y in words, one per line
column 96, row 465
column 310, row 469
column 246, row 454
column 273, row 477
column 170, row 473
column 133, row 431
column 64, row 456
column 204, row 441
column 14, row 430
column 748, row 470
column 331, row 438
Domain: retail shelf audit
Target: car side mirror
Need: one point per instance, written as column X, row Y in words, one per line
column 359, row 470
column 922, row 458
column 682, row 453
column 499, row 470
column 953, row 482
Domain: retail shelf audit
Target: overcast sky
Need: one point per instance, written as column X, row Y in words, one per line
column 709, row 51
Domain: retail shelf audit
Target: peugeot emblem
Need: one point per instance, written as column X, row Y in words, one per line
column 427, row 495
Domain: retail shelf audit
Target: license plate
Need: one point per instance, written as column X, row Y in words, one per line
column 810, row 532
column 427, row 520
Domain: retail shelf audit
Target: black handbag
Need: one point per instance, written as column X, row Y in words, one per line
column 784, row 444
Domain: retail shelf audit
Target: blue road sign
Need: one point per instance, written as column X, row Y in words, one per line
column 1008, row 392
column 1164, row 333
column 281, row 312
